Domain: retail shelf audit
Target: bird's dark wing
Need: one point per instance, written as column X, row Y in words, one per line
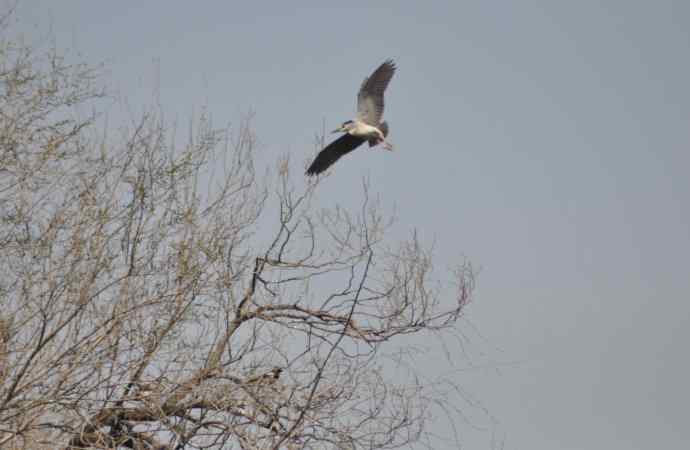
column 333, row 151
column 370, row 102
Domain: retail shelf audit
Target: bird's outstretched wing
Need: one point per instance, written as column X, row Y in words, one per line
column 333, row 151
column 370, row 97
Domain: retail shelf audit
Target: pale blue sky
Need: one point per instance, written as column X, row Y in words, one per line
column 546, row 140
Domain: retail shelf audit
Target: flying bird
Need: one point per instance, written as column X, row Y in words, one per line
column 366, row 127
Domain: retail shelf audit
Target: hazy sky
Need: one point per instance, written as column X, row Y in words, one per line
column 548, row 141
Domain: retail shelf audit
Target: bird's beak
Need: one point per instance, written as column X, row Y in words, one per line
column 337, row 130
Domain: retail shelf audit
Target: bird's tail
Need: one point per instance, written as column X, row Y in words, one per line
column 384, row 129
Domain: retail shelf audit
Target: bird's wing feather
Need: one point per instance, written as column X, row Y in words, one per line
column 370, row 102
column 333, row 151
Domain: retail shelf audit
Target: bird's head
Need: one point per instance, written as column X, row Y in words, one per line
column 345, row 127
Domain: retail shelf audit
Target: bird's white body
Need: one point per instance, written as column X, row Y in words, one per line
column 365, row 131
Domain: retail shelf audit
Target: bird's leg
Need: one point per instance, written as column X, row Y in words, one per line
column 381, row 139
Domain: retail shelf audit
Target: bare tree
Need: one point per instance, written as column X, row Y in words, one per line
column 156, row 295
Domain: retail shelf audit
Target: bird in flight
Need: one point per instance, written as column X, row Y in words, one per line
column 366, row 127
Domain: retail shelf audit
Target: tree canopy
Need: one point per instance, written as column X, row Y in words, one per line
column 163, row 295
